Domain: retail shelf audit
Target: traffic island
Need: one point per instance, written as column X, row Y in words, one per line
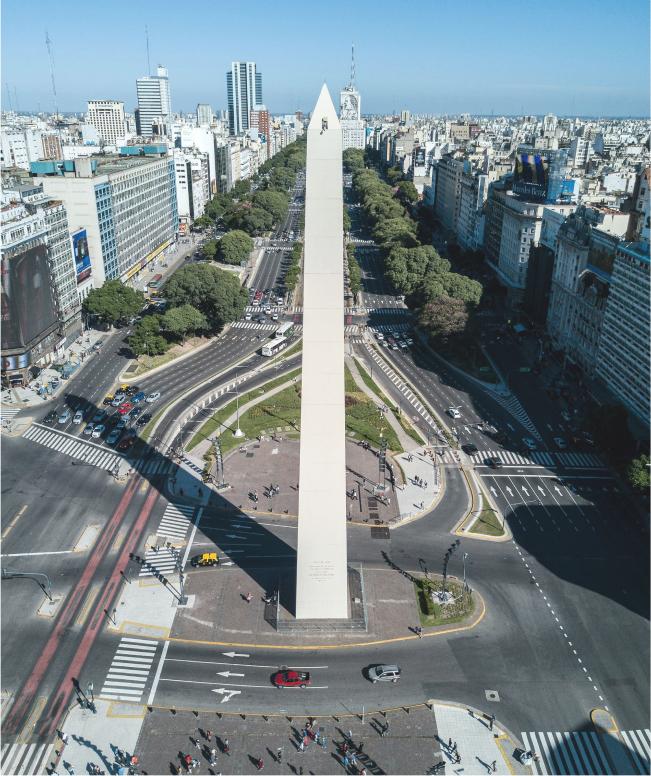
column 443, row 602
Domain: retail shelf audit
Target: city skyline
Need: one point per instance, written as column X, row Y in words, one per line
column 447, row 74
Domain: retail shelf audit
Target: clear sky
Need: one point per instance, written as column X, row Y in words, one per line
column 582, row 57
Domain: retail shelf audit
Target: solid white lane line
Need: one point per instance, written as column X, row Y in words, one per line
column 230, row 684
column 159, row 670
column 241, row 665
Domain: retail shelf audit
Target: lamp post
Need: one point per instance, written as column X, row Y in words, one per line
column 238, row 433
column 464, row 555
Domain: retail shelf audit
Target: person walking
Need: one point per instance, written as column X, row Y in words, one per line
column 458, row 758
column 491, row 722
column 213, row 757
column 454, row 747
column 450, row 745
column 494, row 766
column 279, row 754
column 248, row 597
column 208, row 735
column 301, row 746
column 227, row 749
column 259, row 764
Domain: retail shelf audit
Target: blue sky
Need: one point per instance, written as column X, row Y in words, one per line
column 438, row 56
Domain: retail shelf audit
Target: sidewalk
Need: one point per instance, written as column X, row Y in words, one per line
column 424, row 482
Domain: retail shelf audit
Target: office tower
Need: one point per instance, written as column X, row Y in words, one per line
column 107, row 116
column 259, row 119
column 204, row 115
column 154, row 102
column 244, row 91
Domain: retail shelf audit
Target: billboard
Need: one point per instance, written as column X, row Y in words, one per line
column 82, row 257
column 531, row 175
column 27, row 301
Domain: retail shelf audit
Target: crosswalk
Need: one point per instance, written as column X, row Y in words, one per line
column 384, row 327
column 512, row 405
column 586, row 752
column 175, row 522
column 159, row 561
column 254, row 326
column 68, row 444
column 380, row 310
column 129, row 671
column 156, row 464
column 252, row 308
column 24, row 758
column 540, row 458
column 8, row 412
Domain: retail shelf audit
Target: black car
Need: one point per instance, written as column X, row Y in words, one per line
column 132, row 390
column 51, row 418
column 494, row 463
column 143, row 419
column 469, row 449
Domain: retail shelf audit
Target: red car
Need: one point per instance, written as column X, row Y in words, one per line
column 123, row 409
column 289, row 678
column 126, row 443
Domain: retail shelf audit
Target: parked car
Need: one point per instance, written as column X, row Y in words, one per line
column 100, row 416
column 126, row 442
column 384, row 673
column 153, row 397
column 143, row 419
column 108, row 399
column 113, row 437
column 132, row 390
column 65, row 416
column 125, row 408
column 138, row 397
column 289, row 678
column 88, row 430
column 98, row 430
column 135, row 412
column 78, row 418
column 51, row 418
column 118, row 399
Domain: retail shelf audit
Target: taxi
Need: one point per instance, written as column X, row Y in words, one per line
column 205, row 559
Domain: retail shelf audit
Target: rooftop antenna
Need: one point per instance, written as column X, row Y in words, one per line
column 352, row 66
column 147, row 41
column 9, row 108
column 16, row 100
column 48, row 44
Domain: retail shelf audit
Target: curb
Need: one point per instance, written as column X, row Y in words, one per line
column 458, row 530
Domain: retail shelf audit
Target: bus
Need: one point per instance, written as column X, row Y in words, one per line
column 285, row 330
column 155, row 282
column 274, row 346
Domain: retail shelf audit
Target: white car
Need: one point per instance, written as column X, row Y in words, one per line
column 247, row 317
column 380, row 336
column 98, row 430
column 153, row 397
column 560, row 443
column 530, row 443
column 453, row 412
column 274, row 317
column 78, row 418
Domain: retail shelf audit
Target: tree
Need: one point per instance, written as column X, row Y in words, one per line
column 147, row 339
column 183, row 320
column 113, row 302
column 406, row 268
column 274, row 202
column 213, row 291
column 637, row 473
column 444, row 318
column 462, row 287
column 394, row 174
column 203, row 222
column 252, row 220
column 354, row 271
column 407, row 192
column 347, row 222
column 396, row 230
column 353, row 159
column 209, row 249
column 235, row 247
column 240, row 189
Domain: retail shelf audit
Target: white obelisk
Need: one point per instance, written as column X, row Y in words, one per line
column 322, row 570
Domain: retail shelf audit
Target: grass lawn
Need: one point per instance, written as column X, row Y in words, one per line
column 146, row 363
column 470, row 358
column 432, row 613
column 488, row 523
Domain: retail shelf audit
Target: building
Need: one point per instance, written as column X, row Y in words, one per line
column 52, row 148
column 154, row 103
column 126, row 203
column 204, row 115
column 107, row 117
column 19, row 147
column 192, row 173
column 40, row 307
column 471, row 218
column 449, row 171
column 623, row 359
column 353, row 128
column 244, row 94
column 259, row 121
column 642, row 206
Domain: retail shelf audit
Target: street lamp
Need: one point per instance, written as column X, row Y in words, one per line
column 464, row 556
column 238, row 433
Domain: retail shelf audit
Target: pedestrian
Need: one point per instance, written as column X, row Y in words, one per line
column 346, row 761
column 300, row 770
column 491, row 721
column 458, row 759
column 350, row 736
column 301, row 746
column 279, row 754
column 494, row 766
column 227, row 749
column 64, row 738
column 208, row 735
column 196, row 742
column 450, row 744
column 259, row 764
column 419, row 631
column 353, row 758
column 213, row 757
column 195, row 762
column 344, row 748
column 454, row 747
column 425, row 485
column 249, row 597
column 188, row 761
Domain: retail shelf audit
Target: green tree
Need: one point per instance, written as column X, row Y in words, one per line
column 396, row 230
column 462, row 287
column 274, row 202
column 183, row 320
column 215, row 292
column 113, row 302
column 347, row 222
column 637, row 473
column 406, row 268
column 240, row 189
column 203, row 222
column 281, row 178
column 394, row 174
column 209, row 249
column 147, row 339
column 235, row 247
column 407, row 192
column 444, row 318
column 354, row 271
column 252, row 220
column 353, row 159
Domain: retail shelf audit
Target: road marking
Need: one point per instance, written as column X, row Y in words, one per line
column 30, row 554
column 159, row 670
column 231, row 684
column 240, row 665
column 17, row 516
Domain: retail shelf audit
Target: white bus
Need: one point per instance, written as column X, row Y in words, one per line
column 284, row 330
column 274, row 346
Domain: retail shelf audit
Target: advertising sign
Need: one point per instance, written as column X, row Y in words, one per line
column 28, row 309
column 16, row 362
column 531, row 175
column 82, row 256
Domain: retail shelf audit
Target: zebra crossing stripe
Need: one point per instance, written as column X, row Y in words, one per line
column 23, row 758
column 9, row 412
column 570, row 753
column 129, row 670
column 638, row 748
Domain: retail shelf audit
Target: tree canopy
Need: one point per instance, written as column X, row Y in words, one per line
column 407, row 192
column 235, row 247
column 209, row 249
column 183, row 320
column 274, row 202
column 214, row 292
column 353, row 159
column 113, row 302
column 637, row 473
column 147, row 339
column 444, row 318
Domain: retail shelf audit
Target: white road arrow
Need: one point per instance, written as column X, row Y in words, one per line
column 510, row 427
column 228, row 563
column 235, row 536
column 524, row 490
column 235, row 654
column 558, row 490
column 228, row 694
column 509, row 491
column 227, row 674
column 542, row 490
column 493, row 491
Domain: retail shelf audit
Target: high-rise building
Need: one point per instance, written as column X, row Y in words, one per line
column 107, row 116
column 154, row 102
column 244, row 92
column 204, row 115
column 353, row 132
column 259, row 120
column 126, row 204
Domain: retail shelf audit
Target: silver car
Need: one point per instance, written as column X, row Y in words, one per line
column 384, row 673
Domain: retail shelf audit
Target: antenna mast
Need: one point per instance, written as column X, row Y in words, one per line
column 352, row 66
column 147, row 40
column 48, row 44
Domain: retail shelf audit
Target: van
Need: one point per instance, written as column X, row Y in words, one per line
column 384, row 673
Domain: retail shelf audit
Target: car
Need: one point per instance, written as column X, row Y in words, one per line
column 494, row 462
column 113, row 437
column 143, row 420
column 100, row 416
column 205, row 559
column 121, row 424
column 65, row 416
column 98, row 430
column 153, row 397
column 530, row 443
column 566, row 416
column 78, row 417
column 247, row 317
column 403, row 345
column 394, row 346
column 118, row 399
column 384, row 673
column 138, row 397
column 560, row 443
column 384, row 343
column 135, row 412
column 132, row 390
column 453, row 412
column 126, row 442
column 410, row 341
column 469, row 449
column 51, row 418
column 88, row 429
column 125, row 408
column 108, row 399
column 379, row 336
column 288, row 678
column 274, row 317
